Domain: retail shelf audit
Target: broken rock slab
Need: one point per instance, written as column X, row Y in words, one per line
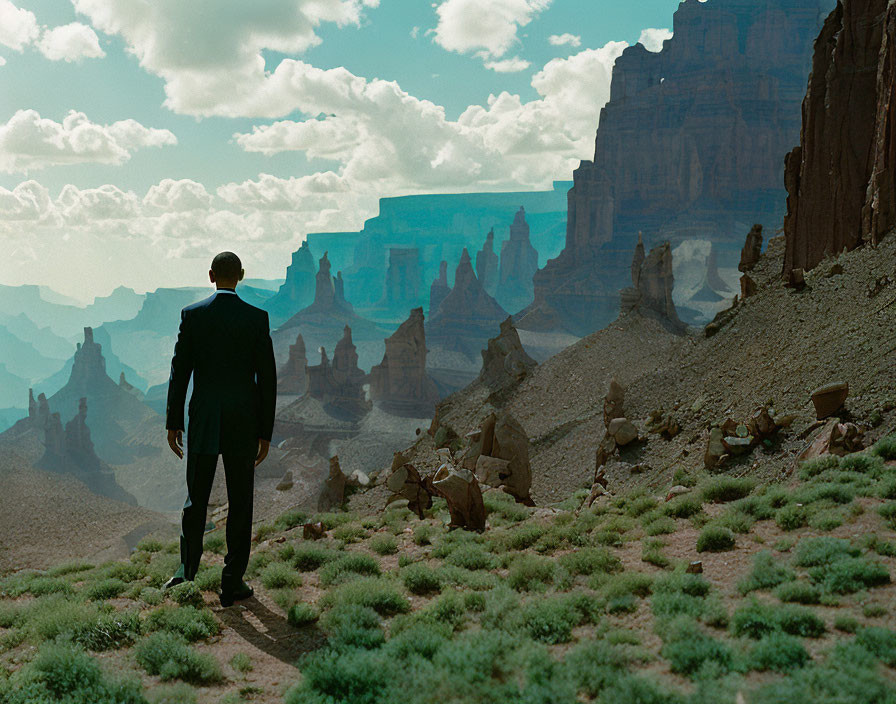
column 829, row 399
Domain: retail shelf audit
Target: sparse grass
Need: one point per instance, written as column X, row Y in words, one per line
column 755, row 619
column 849, row 574
column 767, row 573
column 242, row 663
column 187, row 621
column 715, row 538
column 683, row 506
column 423, row 534
column 310, row 557
column 688, row 648
column 377, row 593
column 778, row 652
column 471, row 557
column 885, row 448
column 421, row 579
column 722, row 489
column 383, row 545
column 105, row 589
column 278, row 575
column 587, row 561
column 350, row 533
column 215, row 543
column 302, row 614
column 348, row 566
column 790, row 517
column 799, row 592
column 531, row 572
column 170, row 657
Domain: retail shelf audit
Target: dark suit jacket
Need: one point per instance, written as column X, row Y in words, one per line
column 225, row 343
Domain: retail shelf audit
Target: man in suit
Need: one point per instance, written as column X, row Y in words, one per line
column 225, row 344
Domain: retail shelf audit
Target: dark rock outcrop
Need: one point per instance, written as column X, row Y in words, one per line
column 504, row 362
column 468, row 316
column 519, row 262
column 439, row 289
column 487, row 264
column 840, row 179
column 400, row 384
column 297, row 292
column 689, row 146
column 652, row 284
column 749, row 255
column 499, row 457
column 293, row 376
column 340, row 385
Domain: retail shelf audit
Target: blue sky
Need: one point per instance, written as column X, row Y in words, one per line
column 186, row 145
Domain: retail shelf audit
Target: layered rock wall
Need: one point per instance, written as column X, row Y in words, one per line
column 689, row 147
column 487, row 264
column 519, row 262
column 840, row 179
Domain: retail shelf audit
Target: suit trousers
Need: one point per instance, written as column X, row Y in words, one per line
column 239, row 472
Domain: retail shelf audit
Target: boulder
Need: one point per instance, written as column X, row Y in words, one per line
column 835, row 438
column 677, row 490
column 286, row 483
column 502, row 439
column 504, row 361
column 624, row 432
column 829, row 399
column 752, row 250
column 461, row 491
column 406, row 484
column 333, row 491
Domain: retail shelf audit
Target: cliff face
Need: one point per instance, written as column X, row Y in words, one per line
column 340, row 384
column 689, row 147
column 400, row 383
column 293, row 376
column 403, row 279
column 439, row 289
column 297, row 292
column 840, row 180
column 519, row 262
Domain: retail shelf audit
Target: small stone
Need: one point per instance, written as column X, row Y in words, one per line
column 695, row 567
column 677, row 490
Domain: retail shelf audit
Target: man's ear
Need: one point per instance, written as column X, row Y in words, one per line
column 211, row 276
column 242, row 274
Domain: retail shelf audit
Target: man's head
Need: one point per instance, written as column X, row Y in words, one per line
column 226, row 271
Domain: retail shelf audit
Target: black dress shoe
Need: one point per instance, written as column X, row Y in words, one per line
column 244, row 591
column 173, row 582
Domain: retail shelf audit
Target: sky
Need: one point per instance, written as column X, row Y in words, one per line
column 138, row 138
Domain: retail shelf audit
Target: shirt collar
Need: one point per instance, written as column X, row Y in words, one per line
column 225, row 290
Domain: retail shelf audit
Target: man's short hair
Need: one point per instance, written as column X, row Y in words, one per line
column 227, row 266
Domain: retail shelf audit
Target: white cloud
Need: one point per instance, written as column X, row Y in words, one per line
column 653, row 38
column 177, row 196
column 87, row 206
column 514, row 65
column 210, row 72
column 29, row 201
column 472, row 25
column 18, row 27
column 29, row 142
column 386, row 141
column 70, row 42
column 567, row 39
column 320, row 191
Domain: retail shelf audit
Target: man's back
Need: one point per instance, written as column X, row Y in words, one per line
column 225, row 343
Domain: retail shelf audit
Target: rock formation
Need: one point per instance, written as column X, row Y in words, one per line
column 460, row 489
column 468, row 316
column 688, row 147
column 293, row 376
column 130, row 388
column 297, row 292
column 504, row 362
column 340, row 385
column 406, row 484
column 487, row 264
column 439, row 290
column 519, row 262
column 840, row 179
column 499, row 457
column 403, row 279
column 332, row 493
column 400, row 384
column 652, row 283
column 749, row 255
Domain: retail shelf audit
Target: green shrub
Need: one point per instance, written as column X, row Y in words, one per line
column 241, row 662
column 826, row 520
column 354, row 626
column 879, row 641
column 778, row 652
column 887, row 512
column 187, row 621
column 187, row 594
column 376, row 593
column 722, row 489
column 308, row 558
column 823, row 551
column 177, row 693
column 849, row 575
column 35, row 584
column 291, row 519
column 151, row 596
column 845, row 623
column 550, row 620
column 62, row 672
column 302, row 614
column 652, row 553
column 800, row 621
column 423, row 534
column 169, row 656
column 790, row 517
column 640, row 505
column 736, row 521
column 421, row 579
column 683, row 506
column 885, row 448
column 522, row 536
column 278, row 575
column 587, row 561
column 799, row 592
column 872, row 464
column 348, row 567
column 208, row 579
column 384, row 545
column 349, row 533
column 471, row 557
column 813, row 468
column 766, row 573
column 105, row 589
column 688, row 648
column 663, row 525
column 874, row 610
column 756, row 620
column 69, row 568
column 715, row 539
column 530, row 572
column 503, row 507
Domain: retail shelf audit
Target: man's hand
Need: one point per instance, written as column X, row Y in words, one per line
column 263, row 447
column 176, row 442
